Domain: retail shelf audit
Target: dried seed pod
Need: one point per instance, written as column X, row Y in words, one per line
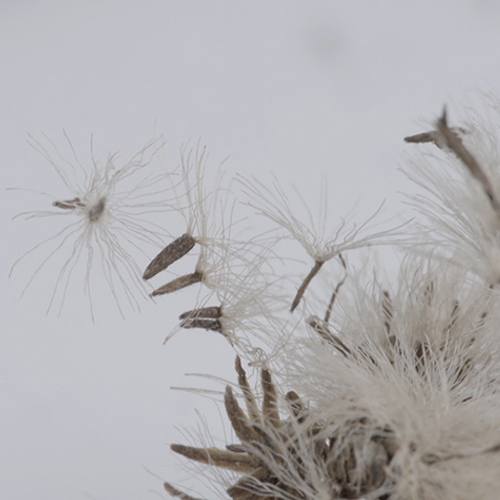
column 171, row 253
column 179, row 283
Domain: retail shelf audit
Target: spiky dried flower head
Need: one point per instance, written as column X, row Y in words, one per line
column 109, row 213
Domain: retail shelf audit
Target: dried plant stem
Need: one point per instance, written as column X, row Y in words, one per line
column 300, row 292
column 172, row 252
column 179, row 283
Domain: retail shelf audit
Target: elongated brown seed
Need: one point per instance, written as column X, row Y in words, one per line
column 172, row 252
column 68, row 204
column 205, row 323
column 179, row 283
column 204, row 312
column 300, row 292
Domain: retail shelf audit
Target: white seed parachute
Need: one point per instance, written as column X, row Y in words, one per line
column 108, row 216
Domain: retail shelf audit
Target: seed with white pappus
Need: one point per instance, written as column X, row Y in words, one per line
column 177, row 249
column 97, row 210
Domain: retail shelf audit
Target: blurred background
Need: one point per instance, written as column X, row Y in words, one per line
column 306, row 90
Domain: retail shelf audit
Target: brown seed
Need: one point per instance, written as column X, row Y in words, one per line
column 68, row 204
column 179, row 283
column 300, row 292
column 205, row 323
column 97, row 210
column 204, row 312
column 177, row 249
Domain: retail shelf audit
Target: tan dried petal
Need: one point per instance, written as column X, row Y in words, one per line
column 270, row 400
column 238, row 462
column 241, row 425
column 251, row 403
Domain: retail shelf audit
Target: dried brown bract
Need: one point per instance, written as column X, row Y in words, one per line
column 276, row 455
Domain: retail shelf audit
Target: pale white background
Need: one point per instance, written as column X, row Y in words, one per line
column 296, row 88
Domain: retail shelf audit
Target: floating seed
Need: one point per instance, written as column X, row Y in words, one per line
column 97, row 210
column 177, row 249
